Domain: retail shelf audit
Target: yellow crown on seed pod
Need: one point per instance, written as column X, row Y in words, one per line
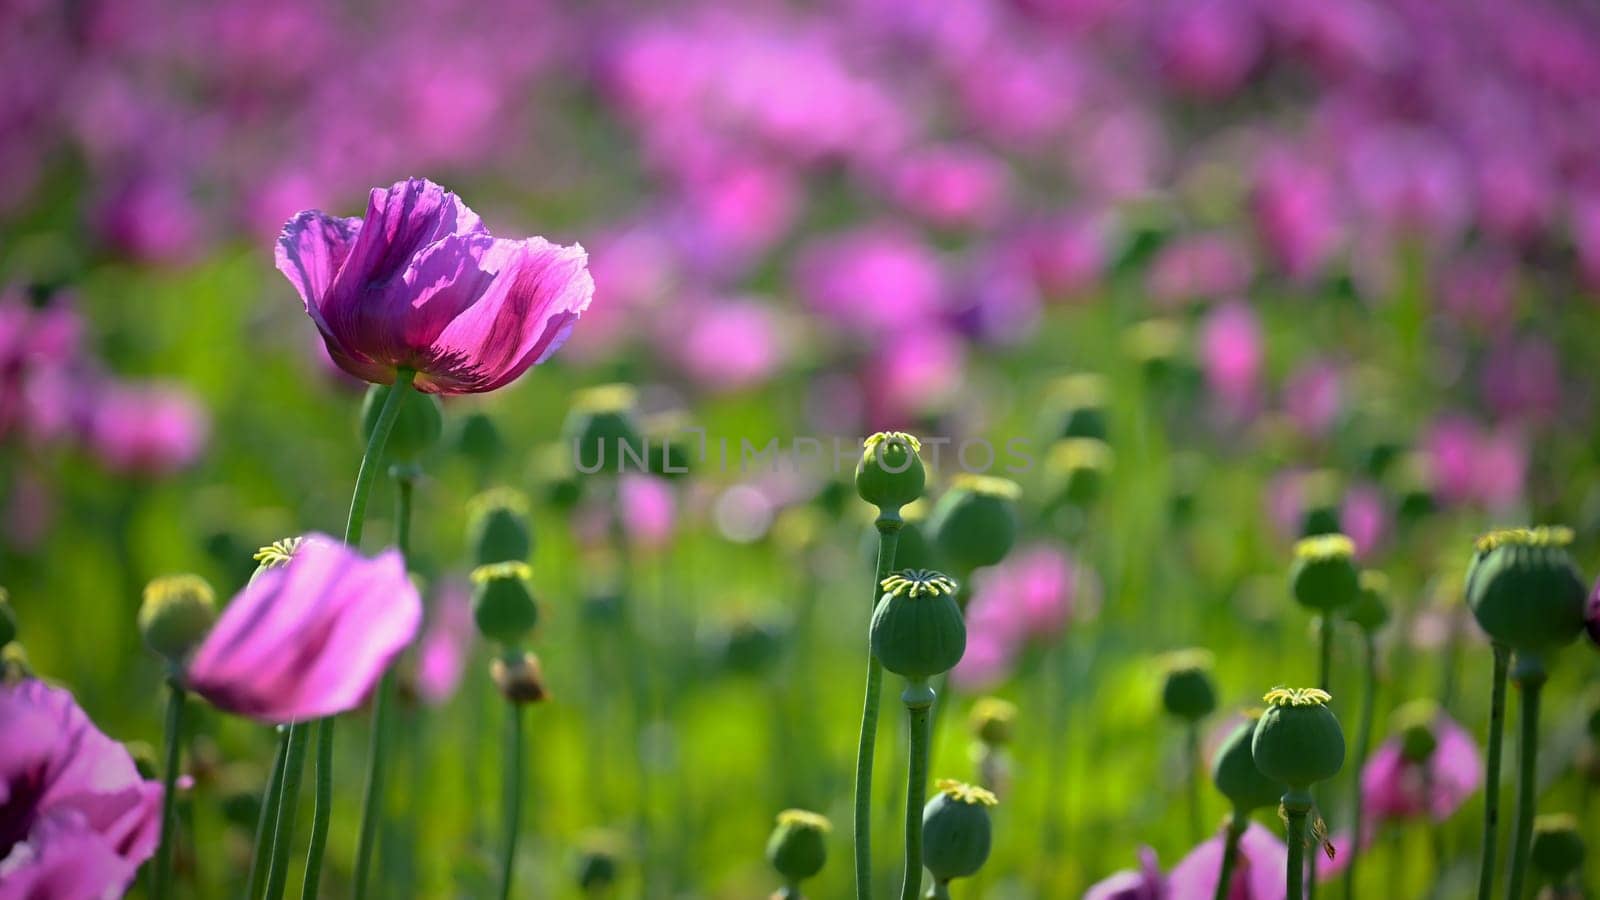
column 1282, row 696
column 969, row 794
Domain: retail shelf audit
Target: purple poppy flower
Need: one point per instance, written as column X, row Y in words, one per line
column 147, row 429
column 1258, row 875
column 875, row 278
column 952, row 186
column 1199, row 267
column 726, row 345
column 1033, row 595
column 1231, row 355
column 442, row 651
column 310, row 638
column 1297, row 214
column 420, row 283
column 76, row 820
column 1143, row 883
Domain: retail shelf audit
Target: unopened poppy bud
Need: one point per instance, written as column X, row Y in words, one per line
column 890, row 473
column 991, row 720
column 479, row 440
column 1077, row 469
column 559, row 485
column 798, row 847
column 1524, row 590
column 1415, row 722
column 1188, row 691
column 1414, row 484
column 1370, row 611
column 177, row 612
column 1557, row 850
column 502, row 603
column 1322, row 494
column 917, row 628
column 275, row 555
column 1298, row 740
column 498, row 528
column 1235, row 774
column 956, row 834
column 417, row 425
column 599, row 862
column 975, row 522
column 1324, row 575
column 518, row 678
column 1075, row 407
column 602, row 429
column 8, row 619
column 670, row 444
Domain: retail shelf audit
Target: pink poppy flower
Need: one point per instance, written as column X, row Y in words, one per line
column 1143, row 883
column 444, row 646
column 1231, row 354
column 147, row 429
column 1258, row 875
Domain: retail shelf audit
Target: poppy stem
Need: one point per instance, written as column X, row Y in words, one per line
column 163, row 876
column 260, row 859
column 939, row 891
column 918, row 698
column 512, row 798
column 1237, row 823
column 288, row 806
column 1324, row 681
column 888, row 525
column 1297, row 852
column 1530, row 678
column 1491, row 776
column 1192, row 751
column 1363, row 739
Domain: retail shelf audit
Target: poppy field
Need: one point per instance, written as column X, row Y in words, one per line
column 1013, row 449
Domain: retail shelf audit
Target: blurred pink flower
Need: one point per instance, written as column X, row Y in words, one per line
column 1516, row 196
column 1297, row 213
column 1208, row 48
column 147, row 429
column 726, row 345
column 649, row 510
column 1592, row 616
column 1231, row 355
column 1472, row 465
column 1198, row 267
column 1066, row 255
column 1364, row 516
column 151, row 218
column 1143, row 883
column 952, row 186
column 918, row 371
column 1313, row 397
column 1480, row 291
column 879, row 279
column 444, row 647
column 1258, row 875
column 1522, row 380
column 1030, row 597
column 1411, row 182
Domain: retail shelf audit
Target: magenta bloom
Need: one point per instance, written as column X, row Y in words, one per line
column 1143, row 883
column 1297, row 215
column 1231, row 354
column 1029, row 597
column 311, row 638
column 420, row 283
column 76, row 820
column 442, row 651
column 1200, row 267
column 1259, row 874
column 1592, row 617
column 728, row 344
column 147, row 429
column 875, row 278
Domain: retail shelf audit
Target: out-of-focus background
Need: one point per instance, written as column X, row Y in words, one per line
column 1328, row 258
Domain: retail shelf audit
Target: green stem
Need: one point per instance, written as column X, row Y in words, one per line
column 1491, row 776
column 1530, row 677
column 888, row 538
column 288, row 806
column 640, row 691
column 1297, row 852
column 163, row 877
column 1239, row 821
column 322, row 811
column 372, row 799
column 511, row 802
column 1363, row 739
column 1325, row 681
column 918, row 698
column 1192, row 750
column 260, row 858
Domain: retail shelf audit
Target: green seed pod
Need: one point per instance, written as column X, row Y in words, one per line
column 1188, row 691
column 1524, row 590
column 1370, row 611
column 177, row 612
column 670, row 443
column 417, row 426
column 1234, row 771
column 599, row 862
column 479, row 440
column 1557, row 850
column 1322, row 494
column 955, row 830
column 519, row 678
column 1414, row 484
column 1075, row 407
column 602, row 430
column 890, row 474
column 747, row 647
column 502, row 603
column 1324, row 575
column 498, row 528
column 559, row 485
column 991, row 720
column 1298, row 740
column 8, row 619
column 1158, row 346
column 1076, row 469
column 975, row 522
column 798, row 847
column 1415, row 723
column 917, row 629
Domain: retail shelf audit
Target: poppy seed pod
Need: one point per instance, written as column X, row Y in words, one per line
column 603, row 431
column 1370, row 611
column 1415, row 723
column 498, row 527
column 417, row 426
column 1235, row 774
column 1324, row 575
column 956, row 833
column 599, row 862
column 1320, row 509
column 1188, row 691
column 479, row 440
column 975, row 523
column 668, row 440
column 1524, row 590
column 1298, row 740
column 8, row 620
column 177, row 613
column 798, row 847
column 1077, row 469
column 991, row 720
column 502, row 604
column 1557, row 850
column 890, row 473
column 519, row 678
column 917, row 629
column 1075, row 407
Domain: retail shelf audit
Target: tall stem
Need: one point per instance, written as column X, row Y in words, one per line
column 888, row 538
column 1530, row 677
column 511, row 801
column 1491, row 774
column 1297, row 851
column 266, row 822
column 288, row 807
column 1324, row 681
column 918, row 698
column 163, row 877
column 1237, row 823
column 1192, row 750
column 640, row 690
column 1363, row 739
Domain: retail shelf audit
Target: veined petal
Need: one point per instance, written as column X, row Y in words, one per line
column 311, row 249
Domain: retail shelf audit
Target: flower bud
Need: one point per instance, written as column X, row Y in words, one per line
column 177, row 612
column 890, row 473
column 1370, row 611
column 1234, row 771
column 955, row 830
column 479, row 440
column 498, row 528
column 1324, row 575
column 8, row 619
column 1557, row 850
column 1298, row 740
column 502, row 603
column 1077, row 469
column 1075, row 407
column 518, row 678
column 975, row 522
column 599, row 862
column 1524, row 590
column 602, row 429
column 1322, row 494
column 991, row 720
column 1188, row 691
column 798, row 846
column 1414, row 723
column 417, row 426
column 917, row 629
